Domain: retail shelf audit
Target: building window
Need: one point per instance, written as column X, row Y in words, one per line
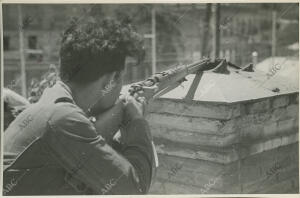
column 32, row 42
column 6, row 43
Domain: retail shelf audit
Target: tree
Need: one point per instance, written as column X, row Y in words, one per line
column 168, row 34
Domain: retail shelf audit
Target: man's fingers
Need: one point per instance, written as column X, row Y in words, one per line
column 135, row 95
column 122, row 98
column 138, row 94
column 142, row 100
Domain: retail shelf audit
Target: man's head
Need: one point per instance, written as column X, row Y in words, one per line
column 93, row 54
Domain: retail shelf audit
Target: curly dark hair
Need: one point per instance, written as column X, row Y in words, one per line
column 93, row 47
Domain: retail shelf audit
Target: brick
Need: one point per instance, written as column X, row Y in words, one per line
column 175, row 188
column 237, row 110
column 279, row 114
column 193, row 138
column 288, row 186
column 285, row 125
column 270, row 144
column 250, row 119
column 293, row 110
column 217, row 155
column 196, row 166
column 257, row 148
column 229, row 126
column 280, row 101
column 165, row 149
column 253, row 131
column 266, row 182
column 273, row 143
column 249, row 173
column 243, row 109
column 270, row 129
column 289, row 139
column 258, row 107
column 296, row 123
column 195, row 124
column 266, row 159
column 187, row 177
column 276, row 142
column 294, row 98
column 270, row 156
column 196, row 109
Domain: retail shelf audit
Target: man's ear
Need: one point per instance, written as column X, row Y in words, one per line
column 110, row 80
column 106, row 78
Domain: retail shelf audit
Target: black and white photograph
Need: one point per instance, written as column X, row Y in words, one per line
column 178, row 98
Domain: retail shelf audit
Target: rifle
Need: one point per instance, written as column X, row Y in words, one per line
column 153, row 87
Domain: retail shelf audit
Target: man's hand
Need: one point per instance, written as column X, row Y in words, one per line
column 108, row 122
column 126, row 109
column 134, row 107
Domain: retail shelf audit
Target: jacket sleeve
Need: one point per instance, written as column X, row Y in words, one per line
column 138, row 149
column 76, row 146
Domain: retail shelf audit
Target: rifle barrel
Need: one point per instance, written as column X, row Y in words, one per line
column 169, row 77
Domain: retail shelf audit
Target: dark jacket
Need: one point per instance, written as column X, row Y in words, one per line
column 53, row 148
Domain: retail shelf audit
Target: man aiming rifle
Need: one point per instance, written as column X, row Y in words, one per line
column 52, row 147
column 82, row 137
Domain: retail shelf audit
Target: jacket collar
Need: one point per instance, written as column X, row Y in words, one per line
column 59, row 90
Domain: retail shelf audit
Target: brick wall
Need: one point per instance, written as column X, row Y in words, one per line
column 243, row 147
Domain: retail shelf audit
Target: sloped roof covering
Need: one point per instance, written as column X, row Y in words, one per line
column 239, row 85
column 287, row 67
column 294, row 46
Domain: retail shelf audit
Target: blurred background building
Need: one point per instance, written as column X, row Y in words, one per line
column 174, row 33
